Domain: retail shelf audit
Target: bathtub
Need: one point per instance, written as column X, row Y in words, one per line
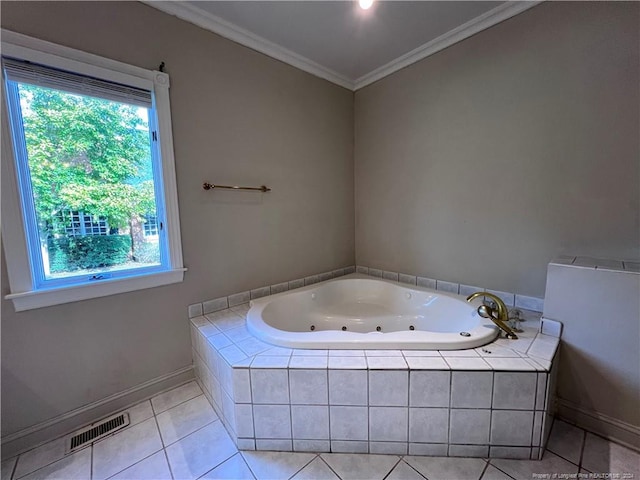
column 359, row 312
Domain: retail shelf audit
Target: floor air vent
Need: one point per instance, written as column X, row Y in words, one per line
column 96, row 431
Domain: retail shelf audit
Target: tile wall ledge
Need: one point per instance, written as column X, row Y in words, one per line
column 525, row 302
column 516, row 300
column 222, row 303
column 624, row 266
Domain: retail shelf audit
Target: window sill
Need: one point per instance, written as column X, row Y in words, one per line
column 45, row 298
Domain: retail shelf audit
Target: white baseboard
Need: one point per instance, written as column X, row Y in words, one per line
column 608, row 427
column 66, row 423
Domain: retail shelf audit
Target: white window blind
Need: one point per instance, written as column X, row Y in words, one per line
column 34, row 74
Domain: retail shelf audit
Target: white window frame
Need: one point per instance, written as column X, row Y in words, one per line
column 22, row 286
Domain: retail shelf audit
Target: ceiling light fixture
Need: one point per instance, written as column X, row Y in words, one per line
column 365, row 4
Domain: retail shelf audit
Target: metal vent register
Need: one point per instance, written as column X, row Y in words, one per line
column 92, row 433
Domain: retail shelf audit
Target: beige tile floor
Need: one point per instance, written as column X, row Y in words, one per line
column 177, row 435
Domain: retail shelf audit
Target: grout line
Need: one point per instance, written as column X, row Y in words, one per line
column 449, row 412
column 584, row 444
column 166, row 457
column 448, row 430
column 217, row 465
column 578, row 464
column 213, row 468
column 411, row 467
column 178, row 404
column 493, row 385
column 535, row 394
column 253, row 416
column 545, row 403
column 500, row 470
column 191, row 433
column 15, row 467
column 304, row 466
column 290, row 408
column 181, row 438
column 368, row 407
column 328, row 412
column 408, row 405
column 486, row 465
column 247, row 464
column 175, row 388
column 128, row 466
column 560, row 456
column 553, row 421
column 329, row 466
column 533, row 417
column 393, row 468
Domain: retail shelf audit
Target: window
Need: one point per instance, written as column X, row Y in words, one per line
column 91, row 162
column 150, row 226
column 79, row 223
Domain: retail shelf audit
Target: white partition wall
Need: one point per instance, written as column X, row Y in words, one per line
column 598, row 302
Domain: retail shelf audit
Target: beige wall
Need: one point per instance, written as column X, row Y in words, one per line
column 239, row 117
column 476, row 165
column 481, row 163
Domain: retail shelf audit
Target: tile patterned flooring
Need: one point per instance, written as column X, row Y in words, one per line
column 177, row 435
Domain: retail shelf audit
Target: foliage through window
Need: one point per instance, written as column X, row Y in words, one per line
column 89, row 192
column 87, row 161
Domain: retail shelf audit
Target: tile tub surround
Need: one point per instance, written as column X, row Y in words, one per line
column 510, row 299
column 222, row 303
column 490, row 401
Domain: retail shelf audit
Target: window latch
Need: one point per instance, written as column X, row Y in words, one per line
column 99, row 276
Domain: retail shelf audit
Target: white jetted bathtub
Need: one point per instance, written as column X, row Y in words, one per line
column 358, row 312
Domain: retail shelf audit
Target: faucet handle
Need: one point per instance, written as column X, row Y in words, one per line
column 485, row 311
column 490, row 303
column 515, row 313
column 515, row 319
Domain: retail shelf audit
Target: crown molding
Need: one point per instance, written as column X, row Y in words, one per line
column 215, row 24
column 466, row 30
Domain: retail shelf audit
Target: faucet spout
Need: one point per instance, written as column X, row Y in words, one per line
column 499, row 315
